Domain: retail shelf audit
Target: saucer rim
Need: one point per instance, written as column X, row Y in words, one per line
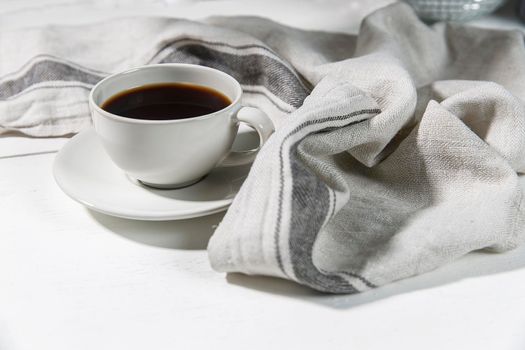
column 132, row 214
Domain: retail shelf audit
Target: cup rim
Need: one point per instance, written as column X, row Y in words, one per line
column 117, row 117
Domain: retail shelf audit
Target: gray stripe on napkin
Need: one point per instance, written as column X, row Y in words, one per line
column 354, row 275
column 46, row 71
column 310, row 205
column 73, row 84
column 214, row 43
column 250, row 69
column 310, row 198
column 173, row 46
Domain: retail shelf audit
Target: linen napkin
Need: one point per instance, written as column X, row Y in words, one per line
column 396, row 150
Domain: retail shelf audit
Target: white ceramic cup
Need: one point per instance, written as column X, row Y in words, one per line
column 179, row 152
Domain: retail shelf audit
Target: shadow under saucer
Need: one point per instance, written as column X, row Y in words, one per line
column 187, row 234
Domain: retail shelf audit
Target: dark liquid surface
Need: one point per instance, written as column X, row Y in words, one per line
column 166, row 101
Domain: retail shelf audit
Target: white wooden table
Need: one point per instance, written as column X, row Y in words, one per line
column 75, row 279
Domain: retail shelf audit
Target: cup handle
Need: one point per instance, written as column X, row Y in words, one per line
column 258, row 120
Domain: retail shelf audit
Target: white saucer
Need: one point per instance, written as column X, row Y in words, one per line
column 84, row 172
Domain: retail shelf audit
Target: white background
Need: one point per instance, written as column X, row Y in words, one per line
column 75, row 279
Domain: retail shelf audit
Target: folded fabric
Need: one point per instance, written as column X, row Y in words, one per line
column 395, row 151
column 404, row 157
